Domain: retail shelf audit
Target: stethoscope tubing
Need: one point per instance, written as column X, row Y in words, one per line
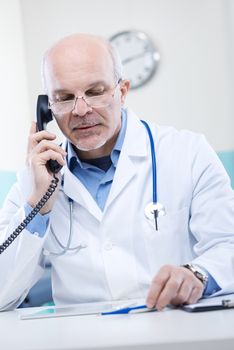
column 153, row 158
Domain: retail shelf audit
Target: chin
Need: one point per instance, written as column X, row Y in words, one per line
column 88, row 146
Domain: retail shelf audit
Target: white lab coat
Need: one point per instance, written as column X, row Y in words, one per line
column 124, row 251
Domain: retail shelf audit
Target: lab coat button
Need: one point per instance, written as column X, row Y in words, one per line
column 108, row 245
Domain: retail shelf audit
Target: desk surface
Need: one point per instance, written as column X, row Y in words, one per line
column 168, row 329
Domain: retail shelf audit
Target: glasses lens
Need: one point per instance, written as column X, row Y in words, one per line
column 62, row 107
column 99, row 101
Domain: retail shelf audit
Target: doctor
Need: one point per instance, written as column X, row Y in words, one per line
column 107, row 176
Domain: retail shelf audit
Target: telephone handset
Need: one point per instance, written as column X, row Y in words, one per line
column 44, row 116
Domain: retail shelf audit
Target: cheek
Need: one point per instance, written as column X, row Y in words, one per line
column 112, row 114
column 60, row 124
column 112, row 121
column 63, row 125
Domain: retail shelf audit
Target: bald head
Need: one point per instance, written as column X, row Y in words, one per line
column 81, row 50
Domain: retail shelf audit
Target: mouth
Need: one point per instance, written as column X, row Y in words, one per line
column 84, row 128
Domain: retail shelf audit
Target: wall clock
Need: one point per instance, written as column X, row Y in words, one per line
column 139, row 56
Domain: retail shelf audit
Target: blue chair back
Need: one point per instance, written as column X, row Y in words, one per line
column 227, row 158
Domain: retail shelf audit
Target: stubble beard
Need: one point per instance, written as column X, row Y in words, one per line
column 87, row 148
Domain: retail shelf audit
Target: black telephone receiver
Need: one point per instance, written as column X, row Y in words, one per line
column 44, row 116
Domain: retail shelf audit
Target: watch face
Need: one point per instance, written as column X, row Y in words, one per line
column 138, row 55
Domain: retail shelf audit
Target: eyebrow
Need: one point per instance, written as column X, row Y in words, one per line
column 94, row 84
column 98, row 82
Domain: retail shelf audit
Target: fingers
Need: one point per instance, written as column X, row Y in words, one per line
column 41, row 149
column 183, row 294
column 173, row 285
column 47, row 155
column 35, row 137
column 33, row 128
column 157, row 286
column 165, row 287
column 195, row 295
column 188, row 294
column 45, row 145
column 46, row 150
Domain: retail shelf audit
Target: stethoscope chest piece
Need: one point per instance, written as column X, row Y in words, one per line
column 151, row 208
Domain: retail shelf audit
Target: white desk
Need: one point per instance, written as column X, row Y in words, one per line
column 169, row 329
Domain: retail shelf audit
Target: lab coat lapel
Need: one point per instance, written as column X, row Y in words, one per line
column 134, row 145
column 125, row 171
column 74, row 189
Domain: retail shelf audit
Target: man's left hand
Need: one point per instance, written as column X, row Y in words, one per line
column 174, row 285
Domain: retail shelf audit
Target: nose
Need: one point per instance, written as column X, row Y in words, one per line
column 81, row 107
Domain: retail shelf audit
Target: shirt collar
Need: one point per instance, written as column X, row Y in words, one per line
column 73, row 159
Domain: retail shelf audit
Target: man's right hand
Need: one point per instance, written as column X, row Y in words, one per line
column 40, row 150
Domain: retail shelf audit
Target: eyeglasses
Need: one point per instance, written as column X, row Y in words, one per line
column 98, row 100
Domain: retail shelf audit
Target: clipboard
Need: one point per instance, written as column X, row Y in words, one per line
column 211, row 304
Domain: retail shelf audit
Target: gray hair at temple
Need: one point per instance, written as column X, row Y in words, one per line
column 117, row 64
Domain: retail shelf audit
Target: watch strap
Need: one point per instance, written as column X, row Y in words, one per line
column 198, row 272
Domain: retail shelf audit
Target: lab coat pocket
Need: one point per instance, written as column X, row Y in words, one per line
column 170, row 244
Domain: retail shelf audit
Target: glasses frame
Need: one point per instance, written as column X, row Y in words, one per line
column 110, row 92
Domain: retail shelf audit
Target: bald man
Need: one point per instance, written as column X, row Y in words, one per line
column 93, row 227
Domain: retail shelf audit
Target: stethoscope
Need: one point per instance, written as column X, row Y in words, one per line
column 66, row 248
column 152, row 210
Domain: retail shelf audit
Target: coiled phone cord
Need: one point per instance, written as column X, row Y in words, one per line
column 31, row 215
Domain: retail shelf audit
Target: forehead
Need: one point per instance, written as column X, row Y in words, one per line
column 77, row 67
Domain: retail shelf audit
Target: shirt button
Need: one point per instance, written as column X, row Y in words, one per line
column 108, row 245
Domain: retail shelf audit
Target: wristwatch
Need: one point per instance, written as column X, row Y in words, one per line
column 198, row 272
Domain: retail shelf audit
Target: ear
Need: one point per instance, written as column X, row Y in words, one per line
column 124, row 88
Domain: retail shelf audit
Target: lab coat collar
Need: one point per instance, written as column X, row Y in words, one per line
column 135, row 143
column 75, row 190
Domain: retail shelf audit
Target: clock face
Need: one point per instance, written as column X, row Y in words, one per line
column 138, row 55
